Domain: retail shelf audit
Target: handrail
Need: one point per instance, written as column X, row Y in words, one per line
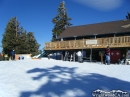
column 122, row 41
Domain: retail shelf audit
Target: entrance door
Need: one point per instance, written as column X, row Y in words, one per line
column 115, row 56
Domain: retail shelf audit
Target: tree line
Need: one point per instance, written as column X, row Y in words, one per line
column 18, row 39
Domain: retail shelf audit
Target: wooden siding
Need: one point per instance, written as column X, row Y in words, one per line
column 113, row 42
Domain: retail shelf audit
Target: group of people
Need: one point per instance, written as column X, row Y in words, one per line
column 79, row 55
column 73, row 56
column 6, row 56
column 12, row 55
column 107, row 56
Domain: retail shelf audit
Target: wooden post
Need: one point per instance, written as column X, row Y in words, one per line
column 91, row 54
column 62, row 58
column 126, row 53
column 101, row 54
column 101, row 58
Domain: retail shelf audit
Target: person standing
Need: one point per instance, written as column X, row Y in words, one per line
column 6, row 56
column 13, row 55
column 107, row 55
column 74, row 55
column 79, row 54
column 49, row 56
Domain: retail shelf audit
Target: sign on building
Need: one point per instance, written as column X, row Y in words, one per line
column 91, row 41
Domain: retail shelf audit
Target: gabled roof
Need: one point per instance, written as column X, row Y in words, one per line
column 98, row 28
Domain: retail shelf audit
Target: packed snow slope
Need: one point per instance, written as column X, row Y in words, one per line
column 55, row 78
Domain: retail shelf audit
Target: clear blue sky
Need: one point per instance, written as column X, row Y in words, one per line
column 36, row 15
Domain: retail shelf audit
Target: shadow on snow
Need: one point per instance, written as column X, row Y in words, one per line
column 65, row 82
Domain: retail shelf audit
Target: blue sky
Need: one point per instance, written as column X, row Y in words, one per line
column 36, row 15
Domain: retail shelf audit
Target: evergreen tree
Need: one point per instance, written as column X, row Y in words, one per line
column 22, row 47
column 128, row 16
column 33, row 46
column 9, row 41
column 16, row 38
column 60, row 21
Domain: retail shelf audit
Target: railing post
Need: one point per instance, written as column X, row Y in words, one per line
column 74, row 43
column 117, row 41
column 123, row 39
column 102, row 42
column 50, row 46
column 126, row 40
column 120, row 40
column 83, row 42
column 109, row 41
column 69, row 44
column 59, row 44
column 114, row 41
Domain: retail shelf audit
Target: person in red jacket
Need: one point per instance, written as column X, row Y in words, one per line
column 107, row 55
column 108, row 50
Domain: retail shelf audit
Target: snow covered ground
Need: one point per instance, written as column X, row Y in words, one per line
column 55, row 78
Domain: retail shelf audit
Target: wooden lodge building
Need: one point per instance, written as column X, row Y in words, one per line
column 94, row 38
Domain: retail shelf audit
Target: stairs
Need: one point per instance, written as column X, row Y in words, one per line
column 45, row 54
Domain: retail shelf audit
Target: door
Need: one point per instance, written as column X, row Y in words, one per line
column 115, row 56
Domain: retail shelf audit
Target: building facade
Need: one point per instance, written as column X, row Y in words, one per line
column 92, row 40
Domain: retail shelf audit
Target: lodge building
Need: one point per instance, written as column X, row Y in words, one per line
column 93, row 39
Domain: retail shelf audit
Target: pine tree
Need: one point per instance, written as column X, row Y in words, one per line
column 9, row 41
column 16, row 38
column 22, row 47
column 33, row 46
column 128, row 16
column 60, row 21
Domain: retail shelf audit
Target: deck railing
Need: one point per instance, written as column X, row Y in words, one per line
column 113, row 42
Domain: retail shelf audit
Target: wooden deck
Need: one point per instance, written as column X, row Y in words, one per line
column 113, row 42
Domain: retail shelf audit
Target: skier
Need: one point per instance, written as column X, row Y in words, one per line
column 13, row 55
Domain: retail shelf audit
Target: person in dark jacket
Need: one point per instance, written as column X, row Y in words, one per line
column 107, row 60
column 12, row 55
